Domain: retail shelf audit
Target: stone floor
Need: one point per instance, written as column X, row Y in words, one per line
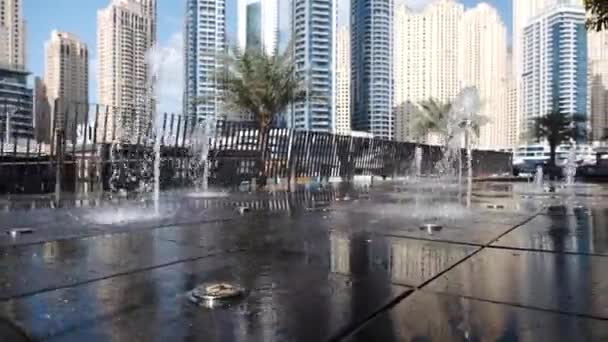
column 331, row 265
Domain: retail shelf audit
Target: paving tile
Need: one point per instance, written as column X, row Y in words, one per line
column 561, row 282
column 430, row 317
column 585, row 231
column 290, row 296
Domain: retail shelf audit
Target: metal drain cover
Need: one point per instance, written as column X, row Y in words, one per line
column 213, row 295
column 19, row 231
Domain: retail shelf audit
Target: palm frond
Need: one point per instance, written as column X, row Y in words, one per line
column 260, row 84
column 598, row 14
column 432, row 117
column 557, row 127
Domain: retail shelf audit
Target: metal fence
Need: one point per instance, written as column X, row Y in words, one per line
column 101, row 147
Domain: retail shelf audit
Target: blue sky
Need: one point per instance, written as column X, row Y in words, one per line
column 80, row 17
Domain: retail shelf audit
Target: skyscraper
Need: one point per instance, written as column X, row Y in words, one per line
column 598, row 78
column 205, row 46
column 42, row 112
column 12, row 33
column 258, row 24
column 126, row 31
column 372, row 64
column 482, row 63
column 66, row 78
column 523, row 12
column 343, row 117
column 314, row 29
column 511, row 109
column 426, row 65
column 554, row 64
column 16, row 119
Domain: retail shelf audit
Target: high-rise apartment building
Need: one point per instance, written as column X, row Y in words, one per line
column 126, row 31
column 426, row 46
column 511, row 100
column 598, row 79
column 343, row 117
column 372, row 67
column 483, row 64
column 66, row 80
column 258, row 24
column 12, row 33
column 314, row 31
column 523, row 12
column 42, row 112
column 205, row 46
column 554, row 64
column 16, row 119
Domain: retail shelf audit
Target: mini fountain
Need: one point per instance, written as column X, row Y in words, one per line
column 440, row 199
column 418, row 162
column 539, row 177
column 200, row 142
column 465, row 119
column 569, row 169
column 165, row 68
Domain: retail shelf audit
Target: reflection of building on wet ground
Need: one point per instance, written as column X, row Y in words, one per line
column 599, row 224
column 340, row 253
column 411, row 263
column 328, row 270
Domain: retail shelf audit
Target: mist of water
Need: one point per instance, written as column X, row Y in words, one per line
column 166, row 65
column 539, row 177
column 570, row 167
column 200, row 142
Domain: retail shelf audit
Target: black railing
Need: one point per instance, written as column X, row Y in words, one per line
column 91, row 146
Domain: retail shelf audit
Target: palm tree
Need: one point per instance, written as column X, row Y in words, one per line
column 598, row 20
column 556, row 128
column 262, row 85
column 432, row 117
column 440, row 118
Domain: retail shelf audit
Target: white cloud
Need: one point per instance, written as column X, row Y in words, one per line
column 417, row 4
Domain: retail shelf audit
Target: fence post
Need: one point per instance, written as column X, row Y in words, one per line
column 351, row 161
column 59, row 164
column 291, row 170
column 371, row 163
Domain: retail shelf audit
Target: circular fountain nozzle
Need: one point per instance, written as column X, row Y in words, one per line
column 214, row 295
column 431, row 228
column 243, row 210
column 495, row 206
column 19, row 231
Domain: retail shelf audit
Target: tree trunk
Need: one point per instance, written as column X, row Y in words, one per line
column 552, row 154
column 261, row 163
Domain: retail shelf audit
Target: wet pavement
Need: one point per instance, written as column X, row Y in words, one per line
column 330, row 265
